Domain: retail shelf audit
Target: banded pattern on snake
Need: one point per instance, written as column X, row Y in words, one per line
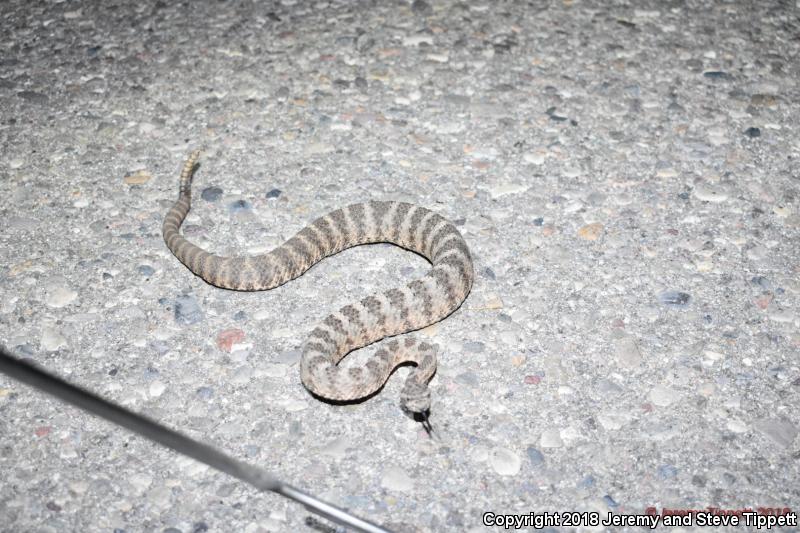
column 416, row 305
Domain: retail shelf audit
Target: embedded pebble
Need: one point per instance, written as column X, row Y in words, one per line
column 504, row 461
column 52, row 339
column 474, row 346
column 228, row 337
column 205, row 393
column 534, row 158
column 395, row 478
column 736, row 426
column 421, row 7
column 418, row 39
column 613, row 420
column 157, row 388
column 467, row 378
column 211, row 194
column 628, row 354
column 782, row 211
column 535, row 456
column 239, row 206
column 337, row 448
column 707, row 193
column 551, row 438
column 667, row 471
column 591, row 232
column 262, row 314
column 140, row 481
column 274, row 193
column 532, row 379
column 782, row 432
column 663, row 396
column 288, row 357
column 675, row 299
column 716, row 75
column 785, row 317
column 61, row 297
column 146, row 270
column 187, row 310
column 498, row 191
column 138, row 177
column 757, row 253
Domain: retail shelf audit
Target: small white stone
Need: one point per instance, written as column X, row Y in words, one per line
column 505, row 189
column 707, row 389
column 504, row 461
column 341, row 126
column 78, row 486
column 395, row 478
column 337, row 448
column 439, row 58
column 704, row 265
column 316, row 148
column 52, row 339
column 418, row 39
column 262, row 314
column 534, row 158
column 736, row 425
column 480, row 454
column 628, row 354
column 60, row 297
column 16, row 163
column 141, row 481
column 123, row 505
column 666, row 172
column 447, row 128
column 757, row 253
column 663, row 396
column 157, row 388
column 160, row 496
column 551, row 438
column 706, row 193
column 293, row 406
column 613, row 421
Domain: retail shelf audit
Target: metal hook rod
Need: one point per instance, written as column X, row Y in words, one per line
column 88, row 401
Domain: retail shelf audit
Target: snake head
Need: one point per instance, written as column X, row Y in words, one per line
column 415, row 397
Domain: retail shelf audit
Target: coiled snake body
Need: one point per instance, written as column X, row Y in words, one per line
column 416, row 305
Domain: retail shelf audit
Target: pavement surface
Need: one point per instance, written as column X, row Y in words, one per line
column 626, row 175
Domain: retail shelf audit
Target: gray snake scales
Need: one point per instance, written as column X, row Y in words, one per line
column 420, row 303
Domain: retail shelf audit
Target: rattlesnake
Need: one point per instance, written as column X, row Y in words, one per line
column 416, row 305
